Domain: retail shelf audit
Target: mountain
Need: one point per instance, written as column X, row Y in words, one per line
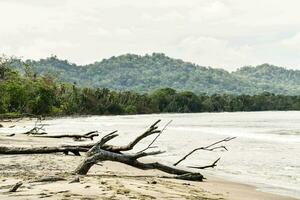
column 271, row 78
column 146, row 73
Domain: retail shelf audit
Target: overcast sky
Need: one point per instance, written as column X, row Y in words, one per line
column 219, row 33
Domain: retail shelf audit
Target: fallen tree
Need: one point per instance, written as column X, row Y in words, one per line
column 102, row 152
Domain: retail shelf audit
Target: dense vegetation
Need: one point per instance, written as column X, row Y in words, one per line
column 144, row 74
column 41, row 95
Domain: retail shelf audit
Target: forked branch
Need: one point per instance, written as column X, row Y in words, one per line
column 210, row 147
column 151, row 143
column 151, row 130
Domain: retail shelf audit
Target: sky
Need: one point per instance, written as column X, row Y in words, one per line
column 219, row 33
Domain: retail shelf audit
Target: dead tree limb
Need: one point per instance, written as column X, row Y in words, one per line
column 151, row 130
column 76, row 137
column 43, row 150
column 214, row 164
column 49, row 179
column 131, row 160
column 101, row 152
column 36, row 131
column 150, row 145
column 37, row 128
column 207, row 148
column 16, row 187
column 101, row 142
column 187, row 177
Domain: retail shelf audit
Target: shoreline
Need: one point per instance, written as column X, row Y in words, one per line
column 19, row 117
column 112, row 180
column 237, row 190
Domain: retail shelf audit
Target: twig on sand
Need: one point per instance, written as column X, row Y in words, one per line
column 15, row 187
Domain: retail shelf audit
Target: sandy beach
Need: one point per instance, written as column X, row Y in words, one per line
column 109, row 181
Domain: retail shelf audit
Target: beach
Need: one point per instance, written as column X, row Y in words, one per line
column 113, row 180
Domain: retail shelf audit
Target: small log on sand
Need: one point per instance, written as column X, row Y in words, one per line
column 49, row 179
column 35, row 131
column 43, row 150
column 15, row 187
column 77, row 137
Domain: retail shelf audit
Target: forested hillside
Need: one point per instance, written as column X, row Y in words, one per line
column 143, row 74
column 31, row 93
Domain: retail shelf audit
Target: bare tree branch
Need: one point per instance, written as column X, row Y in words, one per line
column 151, row 130
column 15, row 187
column 143, row 154
column 149, row 146
column 101, row 142
column 214, row 164
column 42, row 150
column 207, row 148
column 89, row 135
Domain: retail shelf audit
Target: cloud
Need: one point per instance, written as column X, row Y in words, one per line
column 211, row 51
column 123, row 32
column 209, row 10
column 42, row 48
column 292, row 43
column 218, row 33
column 169, row 16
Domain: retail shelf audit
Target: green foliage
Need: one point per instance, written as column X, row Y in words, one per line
column 144, row 74
column 42, row 95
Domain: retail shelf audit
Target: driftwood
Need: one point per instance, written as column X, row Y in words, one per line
column 210, row 147
column 43, row 150
column 37, row 128
column 101, row 152
column 214, row 164
column 16, row 187
column 188, row 177
column 75, row 180
column 89, row 135
column 49, row 179
column 151, row 143
column 129, row 159
column 35, row 131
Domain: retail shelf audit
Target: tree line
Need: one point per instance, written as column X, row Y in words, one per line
column 41, row 95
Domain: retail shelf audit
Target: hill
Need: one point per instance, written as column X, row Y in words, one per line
column 146, row 73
